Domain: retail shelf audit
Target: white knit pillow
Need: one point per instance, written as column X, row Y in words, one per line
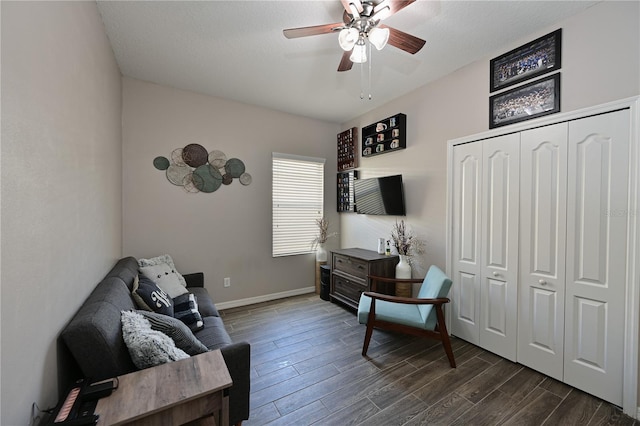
column 147, row 347
column 165, row 258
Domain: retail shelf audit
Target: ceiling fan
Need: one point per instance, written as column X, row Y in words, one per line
column 362, row 23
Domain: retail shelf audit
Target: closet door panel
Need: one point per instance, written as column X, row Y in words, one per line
column 596, row 253
column 499, row 291
column 543, row 186
column 465, row 291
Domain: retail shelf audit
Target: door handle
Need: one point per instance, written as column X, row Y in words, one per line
column 496, row 274
column 542, row 282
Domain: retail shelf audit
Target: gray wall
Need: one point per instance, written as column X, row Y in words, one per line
column 226, row 233
column 61, row 185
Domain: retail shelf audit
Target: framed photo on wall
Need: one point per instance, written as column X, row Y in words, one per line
column 538, row 57
column 532, row 100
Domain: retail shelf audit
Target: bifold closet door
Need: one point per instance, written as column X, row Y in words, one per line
column 499, row 245
column 465, row 291
column 598, row 214
column 543, row 190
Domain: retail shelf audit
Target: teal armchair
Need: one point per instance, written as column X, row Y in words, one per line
column 421, row 316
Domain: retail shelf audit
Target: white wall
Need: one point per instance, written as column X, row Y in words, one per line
column 600, row 63
column 61, row 185
column 226, row 233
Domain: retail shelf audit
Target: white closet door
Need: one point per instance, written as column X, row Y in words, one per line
column 543, row 186
column 499, row 242
column 465, row 291
column 596, row 253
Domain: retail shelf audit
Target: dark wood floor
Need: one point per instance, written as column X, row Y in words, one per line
column 307, row 369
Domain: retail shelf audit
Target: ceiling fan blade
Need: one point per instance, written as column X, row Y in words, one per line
column 310, row 31
column 353, row 7
column 387, row 8
column 404, row 41
column 345, row 62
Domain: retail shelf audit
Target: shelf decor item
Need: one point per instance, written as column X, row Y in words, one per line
column 385, row 136
column 347, row 149
column 538, row 57
column 532, row 100
column 318, row 245
column 407, row 245
column 323, row 235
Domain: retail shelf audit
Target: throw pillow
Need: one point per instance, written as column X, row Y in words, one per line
column 185, row 308
column 166, row 278
column 147, row 347
column 177, row 330
column 165, row 258
column 150, row 297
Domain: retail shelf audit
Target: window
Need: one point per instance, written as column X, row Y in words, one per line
column 298, row 197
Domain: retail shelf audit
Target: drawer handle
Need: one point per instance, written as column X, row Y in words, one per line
column 360, row 267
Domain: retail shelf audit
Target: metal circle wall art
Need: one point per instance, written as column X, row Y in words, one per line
column 196, row 170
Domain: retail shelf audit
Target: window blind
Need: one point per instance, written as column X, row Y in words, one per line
column 298, row 197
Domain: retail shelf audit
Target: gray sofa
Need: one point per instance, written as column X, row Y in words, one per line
column 93, row 338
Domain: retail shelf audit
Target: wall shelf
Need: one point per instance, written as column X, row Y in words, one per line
column 384, row 136
column 347, row 149
column 346, row 201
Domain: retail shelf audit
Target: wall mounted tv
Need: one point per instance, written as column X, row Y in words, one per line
column 380, row 196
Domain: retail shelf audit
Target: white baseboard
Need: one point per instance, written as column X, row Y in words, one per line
column 638, row 413
column 265, row 298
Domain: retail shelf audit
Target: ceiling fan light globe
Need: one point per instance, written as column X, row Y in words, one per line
column 359, row 54
column 347, row 38
column 379, row 37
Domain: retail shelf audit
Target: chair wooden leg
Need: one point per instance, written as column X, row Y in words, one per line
column 447, row 348
column 367, row 338
column 446, row 342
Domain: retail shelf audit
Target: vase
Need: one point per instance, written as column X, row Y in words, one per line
column 403, row 270
column 321, row 259
column 321, row 253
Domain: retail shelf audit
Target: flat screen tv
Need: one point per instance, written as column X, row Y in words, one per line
column 380, row 196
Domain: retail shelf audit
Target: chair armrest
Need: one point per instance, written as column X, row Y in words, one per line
column 406, row 300
column 194, row 280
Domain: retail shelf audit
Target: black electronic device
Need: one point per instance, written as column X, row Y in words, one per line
column 79, row 405
column 380, row 196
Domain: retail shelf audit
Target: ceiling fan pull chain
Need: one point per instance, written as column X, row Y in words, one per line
column 361, row 80
column 370, row 59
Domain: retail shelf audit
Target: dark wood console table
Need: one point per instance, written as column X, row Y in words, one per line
column 350, row 268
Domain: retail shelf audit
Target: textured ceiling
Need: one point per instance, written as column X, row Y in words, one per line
column 236, row 50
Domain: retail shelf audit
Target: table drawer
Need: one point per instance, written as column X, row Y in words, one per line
column 350, row 265
column 349, row 288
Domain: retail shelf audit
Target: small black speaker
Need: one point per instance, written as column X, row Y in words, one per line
column 325, row 281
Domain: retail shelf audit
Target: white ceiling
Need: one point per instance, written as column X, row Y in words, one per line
column 236, row 50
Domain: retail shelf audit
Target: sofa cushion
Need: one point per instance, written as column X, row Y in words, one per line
column 206, row 307
column 147, row 347
column 150, row 297
column 213, row 335
column 165, row 277
column 177, row 330
column 159, row 260
column 185, row 308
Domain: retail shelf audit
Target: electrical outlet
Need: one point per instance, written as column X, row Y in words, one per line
column 227, row 282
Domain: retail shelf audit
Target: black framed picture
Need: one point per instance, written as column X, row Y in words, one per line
column 530, row 60
column 532, row 100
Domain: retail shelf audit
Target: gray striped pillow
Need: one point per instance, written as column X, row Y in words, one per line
column 177, row 330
